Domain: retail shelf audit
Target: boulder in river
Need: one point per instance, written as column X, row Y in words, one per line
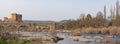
column 56, row 39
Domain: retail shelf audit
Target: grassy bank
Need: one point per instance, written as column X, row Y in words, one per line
column 15, row 42
column 7, row 38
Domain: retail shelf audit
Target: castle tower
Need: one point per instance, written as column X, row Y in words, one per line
column 13, row 17
column 6, row 19
column 16, row 17
column 19, row 18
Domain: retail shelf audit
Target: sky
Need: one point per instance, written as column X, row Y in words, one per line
column 55, row 10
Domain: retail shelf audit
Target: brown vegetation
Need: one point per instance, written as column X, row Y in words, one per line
column 96, row 22
column 8, row 36
column 96, row 25
column 90, row 30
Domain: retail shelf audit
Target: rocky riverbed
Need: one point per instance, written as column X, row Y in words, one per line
column 68, row 38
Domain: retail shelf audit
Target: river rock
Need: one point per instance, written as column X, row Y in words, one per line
column 81, row 39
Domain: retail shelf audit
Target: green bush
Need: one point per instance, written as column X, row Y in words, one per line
column 15, row 42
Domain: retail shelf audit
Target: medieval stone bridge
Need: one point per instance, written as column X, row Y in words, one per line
column 28, row 26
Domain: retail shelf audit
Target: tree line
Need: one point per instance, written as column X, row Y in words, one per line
column 95, row 22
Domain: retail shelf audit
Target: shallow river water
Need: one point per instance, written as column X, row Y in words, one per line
column 115, row 39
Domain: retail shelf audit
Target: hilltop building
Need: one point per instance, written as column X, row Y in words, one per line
column 6, row 19
column 14, row 18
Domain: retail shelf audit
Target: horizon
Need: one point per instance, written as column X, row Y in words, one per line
column 53, row 10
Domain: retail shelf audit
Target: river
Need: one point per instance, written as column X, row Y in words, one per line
column 114, row 38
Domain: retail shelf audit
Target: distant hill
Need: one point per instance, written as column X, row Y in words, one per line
column 37, row 21
column 62, row 21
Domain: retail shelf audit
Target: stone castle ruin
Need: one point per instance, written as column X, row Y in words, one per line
column 14, row 18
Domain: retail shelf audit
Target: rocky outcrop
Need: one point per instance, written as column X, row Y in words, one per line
column 43, row 36
column 56, row 39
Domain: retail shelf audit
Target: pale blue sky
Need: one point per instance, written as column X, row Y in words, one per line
column 53, row 9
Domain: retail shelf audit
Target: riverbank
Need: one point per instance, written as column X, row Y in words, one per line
column 107, row 30
column 45, row 38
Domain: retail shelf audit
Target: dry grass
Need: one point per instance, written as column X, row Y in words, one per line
column 109, row 30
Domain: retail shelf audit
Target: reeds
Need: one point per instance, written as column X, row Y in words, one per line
column 109, row 30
